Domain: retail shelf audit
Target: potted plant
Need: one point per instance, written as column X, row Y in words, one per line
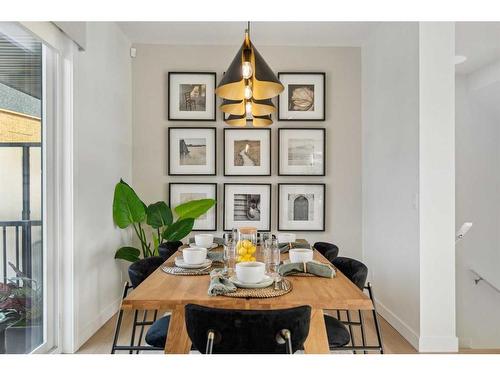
column 166, row 234
column 20, row 314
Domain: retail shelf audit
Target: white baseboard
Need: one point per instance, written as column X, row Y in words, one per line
column 406, row 331
column 438, row 344
column 464, row 342
column 92, row 327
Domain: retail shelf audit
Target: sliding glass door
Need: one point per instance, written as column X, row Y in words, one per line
column 23, row 264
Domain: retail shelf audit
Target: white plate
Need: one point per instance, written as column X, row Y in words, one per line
column 179, row 262
column 212, row 246
column 268, row 280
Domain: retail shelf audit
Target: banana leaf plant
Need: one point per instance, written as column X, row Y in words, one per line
column 130, row 211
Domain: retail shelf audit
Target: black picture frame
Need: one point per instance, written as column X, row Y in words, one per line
column 214, row 184
column 323, row 173
column 212, row 128
column 169, row 87
column 226, row 174
column 280, row 228
column 224, row 221
column 323, row 74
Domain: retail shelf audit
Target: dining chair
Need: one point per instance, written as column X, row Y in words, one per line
column 338, row 335
column 157, row 333
column 223, row 331
column 329, row 250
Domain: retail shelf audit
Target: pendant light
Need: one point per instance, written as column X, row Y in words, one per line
column 248, row 87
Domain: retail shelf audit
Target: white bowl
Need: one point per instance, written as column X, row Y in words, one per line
column 250, row 272
column 204, row 240
column 300, row 255
column 286, row 237
column 194, row 255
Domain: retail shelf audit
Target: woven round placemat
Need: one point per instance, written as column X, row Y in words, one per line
column 268, row 292
column 172, row 269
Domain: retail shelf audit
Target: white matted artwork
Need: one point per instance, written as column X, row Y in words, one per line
column 183, row 192
column 301, row 152
column 301, row 207
column 191, row 96
column 247, row 152
column 192, row 151
column 303, row 98
column 247, row 205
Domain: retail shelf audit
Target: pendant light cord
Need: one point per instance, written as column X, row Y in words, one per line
column 248, row 28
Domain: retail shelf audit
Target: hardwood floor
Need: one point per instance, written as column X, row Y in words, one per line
column 100, row 342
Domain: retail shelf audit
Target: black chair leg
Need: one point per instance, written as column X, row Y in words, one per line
column 126, row 287
column 134, row 326
column 375, row 319
column 361, row 325
column 348, row 313
column 144, row 317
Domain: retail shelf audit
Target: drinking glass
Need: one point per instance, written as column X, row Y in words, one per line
column 229, row 255
column 272, row 256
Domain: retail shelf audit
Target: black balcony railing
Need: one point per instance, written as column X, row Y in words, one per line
column 23, row 256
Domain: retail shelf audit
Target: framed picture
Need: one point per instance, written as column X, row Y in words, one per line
column 301, row 151
column 191, row 96
column 301, row 207
column 247, row 205
column 192, row 151
column 303, row 98
column 247, row 152
column 187, row 191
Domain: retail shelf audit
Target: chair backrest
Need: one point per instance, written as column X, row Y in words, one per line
column 329, row 250
column 247, row 331
column 141, row 269
column 354, row 270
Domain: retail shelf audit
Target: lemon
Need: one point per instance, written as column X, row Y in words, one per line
column 253, row 259
column 239, row 259
column 246, row 243
column 242, row 251
column 252, row 250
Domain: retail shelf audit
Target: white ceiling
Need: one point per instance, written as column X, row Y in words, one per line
column 263, row 33
column 478, row 41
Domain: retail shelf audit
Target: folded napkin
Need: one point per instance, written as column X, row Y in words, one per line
column 216, row 256
column 285, row 246
column 218, row 240
column 312, row 267
column 219, row 284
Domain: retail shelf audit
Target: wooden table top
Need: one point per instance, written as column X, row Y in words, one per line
column 164, row 291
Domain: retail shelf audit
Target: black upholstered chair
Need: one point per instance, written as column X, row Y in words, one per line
column 338, row 335
column 328, row 250
column 222, row 331
column 157, row 333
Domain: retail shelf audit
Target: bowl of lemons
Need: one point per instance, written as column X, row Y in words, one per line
column 245, row 251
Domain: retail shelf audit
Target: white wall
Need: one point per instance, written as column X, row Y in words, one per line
column 390, row 172
column 102, row 155
column 437, row 186
column 343, row 126
column 477, row 200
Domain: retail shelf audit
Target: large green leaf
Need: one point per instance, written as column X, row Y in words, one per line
column 128, row 253
column 178, row 230
column 194, row 209
column 159, row 215
column 127, row 207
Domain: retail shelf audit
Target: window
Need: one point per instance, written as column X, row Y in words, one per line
column 22, row 249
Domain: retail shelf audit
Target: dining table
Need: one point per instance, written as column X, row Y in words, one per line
column 162, row 291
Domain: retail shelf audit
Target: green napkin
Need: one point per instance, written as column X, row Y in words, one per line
column 285, row 246
column 219, row 284
column 216, row 256
column 313, row 267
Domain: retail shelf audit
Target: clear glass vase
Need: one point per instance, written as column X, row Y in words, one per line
column 246, row 247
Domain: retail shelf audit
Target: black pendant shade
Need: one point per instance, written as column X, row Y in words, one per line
column 251, row 94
